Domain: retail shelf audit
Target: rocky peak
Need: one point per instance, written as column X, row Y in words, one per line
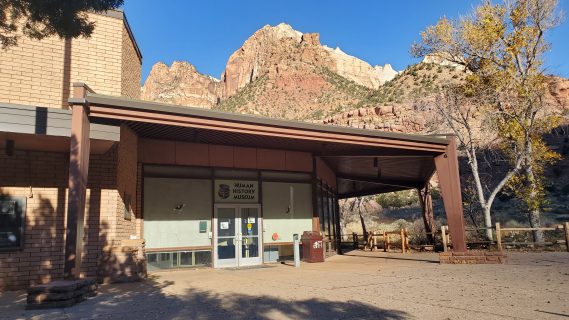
column 182, row 84
column 385, row 73
column 280, row 47
column 559, row 91
column 311, row 39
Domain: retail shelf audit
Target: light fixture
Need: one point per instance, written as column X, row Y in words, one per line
column 10, row 147
column 178, row 208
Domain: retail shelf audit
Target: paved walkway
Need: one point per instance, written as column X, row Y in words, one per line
column 359, row 285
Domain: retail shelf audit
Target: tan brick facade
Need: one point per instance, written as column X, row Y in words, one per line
column 131, row 71
column 42, row 177
column 41, row 72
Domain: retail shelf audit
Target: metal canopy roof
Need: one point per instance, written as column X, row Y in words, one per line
column 365, row 162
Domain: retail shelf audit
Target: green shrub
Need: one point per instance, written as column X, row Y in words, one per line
column 397, row 199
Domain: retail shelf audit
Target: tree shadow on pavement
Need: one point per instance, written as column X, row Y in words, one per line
column 151, row 299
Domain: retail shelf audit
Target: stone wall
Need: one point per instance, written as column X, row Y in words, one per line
column 472, row 257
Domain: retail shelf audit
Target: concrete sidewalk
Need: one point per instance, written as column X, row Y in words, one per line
column 359, row 285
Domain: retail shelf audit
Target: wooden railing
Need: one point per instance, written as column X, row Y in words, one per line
column 372, row 242
column 500, row 231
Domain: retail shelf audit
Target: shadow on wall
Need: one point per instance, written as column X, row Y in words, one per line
column 119, row 262
column 153, row 301
column 41, row 259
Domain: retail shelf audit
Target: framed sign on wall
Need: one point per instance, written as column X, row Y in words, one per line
column 236, row 191
column 12, row 222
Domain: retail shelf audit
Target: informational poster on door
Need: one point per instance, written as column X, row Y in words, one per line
column 236, row 191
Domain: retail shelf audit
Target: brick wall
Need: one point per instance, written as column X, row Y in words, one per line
column 472, row 257
column 41, row 259
column 127, row 183
column 40, row 72
column 131, row 68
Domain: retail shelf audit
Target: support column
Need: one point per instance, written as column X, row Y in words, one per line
column 78, row 173
column 426, row 202
column 315, row 203
column 338, row 225
column 449, row 180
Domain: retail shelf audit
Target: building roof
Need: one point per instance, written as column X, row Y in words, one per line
column 127, row 103
column 365, row 161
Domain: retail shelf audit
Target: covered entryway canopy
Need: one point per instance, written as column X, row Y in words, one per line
column 364, row 162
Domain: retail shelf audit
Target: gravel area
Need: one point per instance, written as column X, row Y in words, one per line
column 358, row 285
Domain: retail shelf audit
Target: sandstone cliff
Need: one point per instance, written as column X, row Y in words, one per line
column 281, row 72
column 181, row 84
column 273, row 49
column 559, row 91
column 291, row 74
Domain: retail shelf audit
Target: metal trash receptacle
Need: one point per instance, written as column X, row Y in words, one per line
column 312, row 247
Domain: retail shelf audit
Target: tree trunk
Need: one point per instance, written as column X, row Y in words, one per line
column 534, row 221
column 426, row 202
column 362, row 217
column 534, row 212
column 488, row 222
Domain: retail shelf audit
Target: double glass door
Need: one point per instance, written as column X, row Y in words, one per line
column 237, row 240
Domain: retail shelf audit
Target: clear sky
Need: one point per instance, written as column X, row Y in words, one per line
column 206, row 32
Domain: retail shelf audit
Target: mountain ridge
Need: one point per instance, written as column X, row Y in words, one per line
column 284, row 73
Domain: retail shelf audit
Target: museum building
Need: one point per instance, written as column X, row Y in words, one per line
column 97, row 183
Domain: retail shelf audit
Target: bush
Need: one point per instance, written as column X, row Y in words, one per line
column 397, row 199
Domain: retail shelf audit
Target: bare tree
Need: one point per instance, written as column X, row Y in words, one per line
column 462, row 114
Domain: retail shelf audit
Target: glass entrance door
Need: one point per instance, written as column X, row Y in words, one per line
column 237, row 236
column 226, row 239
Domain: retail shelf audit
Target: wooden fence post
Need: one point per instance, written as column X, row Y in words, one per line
column 355, row 240
column 444, row 236
column 407, row 239
column 566, row 225
column 402, row 241
column 498, row 236
column 384, row 241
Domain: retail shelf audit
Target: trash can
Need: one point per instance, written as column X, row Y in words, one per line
column 312, row 247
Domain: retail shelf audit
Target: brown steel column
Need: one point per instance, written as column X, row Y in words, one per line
column 315, row 204
column 338, row 224
column 78, row 172
column 449, row 180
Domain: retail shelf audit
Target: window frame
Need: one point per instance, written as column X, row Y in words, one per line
column 22, row 202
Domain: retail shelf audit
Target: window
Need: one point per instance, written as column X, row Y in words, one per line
column 12, row 219
column 178, row 259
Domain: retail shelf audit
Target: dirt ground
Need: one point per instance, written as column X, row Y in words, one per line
column 358, row 285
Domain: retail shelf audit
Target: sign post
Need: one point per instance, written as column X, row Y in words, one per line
column 296, row 250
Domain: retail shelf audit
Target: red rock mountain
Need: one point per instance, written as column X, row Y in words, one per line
column 280, row 72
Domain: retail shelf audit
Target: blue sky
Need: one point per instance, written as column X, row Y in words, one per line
column 206, row 32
